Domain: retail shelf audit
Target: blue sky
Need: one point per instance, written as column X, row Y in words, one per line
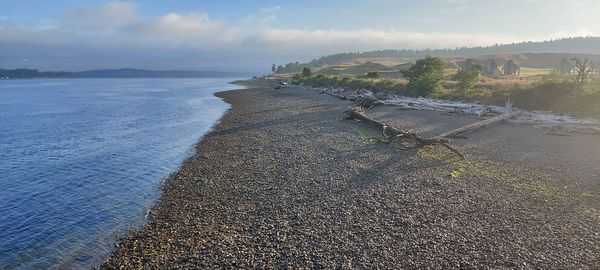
column 249, row 35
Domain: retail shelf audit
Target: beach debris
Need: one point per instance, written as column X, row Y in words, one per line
column 554, row 122
column 390, row 133
column 444, row 106
column 507, row 114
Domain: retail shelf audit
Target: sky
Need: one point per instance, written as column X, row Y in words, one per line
column 251, row 35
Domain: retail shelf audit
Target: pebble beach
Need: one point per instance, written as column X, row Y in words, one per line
column 285, row 181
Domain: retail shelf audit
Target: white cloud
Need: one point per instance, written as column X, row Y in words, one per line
column 118, row 26
column 194, row 23
column 330, row 41
column 264, row 18
column 107, row 17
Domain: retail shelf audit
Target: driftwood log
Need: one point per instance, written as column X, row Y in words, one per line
column 358, row 113
column 478, row 125
column 389, row 133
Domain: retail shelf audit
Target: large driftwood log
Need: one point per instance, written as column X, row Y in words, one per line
column 390, row 133
column 444, row 139
column 478, row 125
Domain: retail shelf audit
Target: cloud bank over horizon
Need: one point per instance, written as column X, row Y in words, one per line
column 117, row 34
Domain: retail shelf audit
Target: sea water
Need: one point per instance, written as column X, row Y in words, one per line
column 81, row 160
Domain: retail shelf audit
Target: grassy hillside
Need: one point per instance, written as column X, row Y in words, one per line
column 533, row 65
column 527, row 60
column 578, row 45
column 534, row 60
column 353, row 70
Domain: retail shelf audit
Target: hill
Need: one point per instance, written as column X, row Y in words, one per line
column 579, row 46
column 534, row 60
column 116, row 73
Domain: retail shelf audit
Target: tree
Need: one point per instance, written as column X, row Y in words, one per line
column 581, row 72
column 425, row 76
column 306, row 72
column 273, row 68
column 511, row 68
column 467, row 77
column 564, row 66
column 491, row 68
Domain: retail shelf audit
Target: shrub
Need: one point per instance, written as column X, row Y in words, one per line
column 306, row 72
column 372, row 74
column 541, row 95
column 425, row 76
column 467, row 77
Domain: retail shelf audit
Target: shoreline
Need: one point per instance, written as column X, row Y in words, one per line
column 282, row 181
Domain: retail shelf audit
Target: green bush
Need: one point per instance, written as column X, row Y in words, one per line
column 306, row 72
column 372, row 75
column 541, row 95
column 467, row 77
column 425, row 76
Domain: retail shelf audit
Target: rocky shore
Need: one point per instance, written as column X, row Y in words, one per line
column 283, row 181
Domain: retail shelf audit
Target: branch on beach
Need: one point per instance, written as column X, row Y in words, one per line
column 390, row 133
column 509, row 112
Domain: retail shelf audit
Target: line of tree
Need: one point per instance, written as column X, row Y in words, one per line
column 565, row 45
column 289, row 68
column 24, row 73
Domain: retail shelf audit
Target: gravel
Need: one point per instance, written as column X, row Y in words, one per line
column 283, row 181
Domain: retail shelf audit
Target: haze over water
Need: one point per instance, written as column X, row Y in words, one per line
column 81, row 160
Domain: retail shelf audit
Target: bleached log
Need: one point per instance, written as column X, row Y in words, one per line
column 478, row 125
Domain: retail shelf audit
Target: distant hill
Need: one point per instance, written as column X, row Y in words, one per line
column 116, row 73
column 532, row 64
column 31, row 73
column 534, row 60
column 570, row 46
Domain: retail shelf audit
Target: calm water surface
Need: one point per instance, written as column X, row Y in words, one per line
column 81, row 160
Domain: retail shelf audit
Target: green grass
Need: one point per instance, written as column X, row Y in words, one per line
column 533, row 72
column 365, row 136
